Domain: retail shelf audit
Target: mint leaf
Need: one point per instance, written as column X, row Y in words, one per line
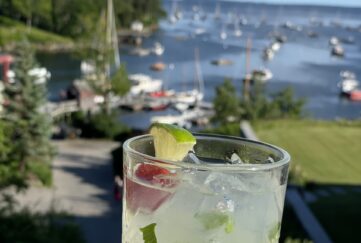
column 274, row 233
column 214, row 219
column 149, row 234
column 229, row 226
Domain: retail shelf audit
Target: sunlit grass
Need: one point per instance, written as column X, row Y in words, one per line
column 13, row 31
column 325, row 152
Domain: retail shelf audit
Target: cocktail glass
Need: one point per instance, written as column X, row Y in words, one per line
column 229, row 190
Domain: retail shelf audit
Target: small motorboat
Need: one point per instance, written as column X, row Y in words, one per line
column 348, row 82
column 346, row 74
column 158, row 49
column 262, row 75
column 140, row 52
column 40, row 75
column 334, row 41
column 158, row 66
column 337, row 51
column 275, row 46
column 268, row 54
column 223, row 35
column 222, row 62
column 312, row 34
column 355, row 95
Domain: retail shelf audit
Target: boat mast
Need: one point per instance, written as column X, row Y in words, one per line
column 111, row 33
column 199, row 76
column 246, row 80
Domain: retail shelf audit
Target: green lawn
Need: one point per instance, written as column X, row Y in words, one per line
column 325, row 152
column 13, row 31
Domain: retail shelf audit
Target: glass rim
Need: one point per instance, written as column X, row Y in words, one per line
column 285, row 158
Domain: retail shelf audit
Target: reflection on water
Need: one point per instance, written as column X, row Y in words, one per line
column 302, row 62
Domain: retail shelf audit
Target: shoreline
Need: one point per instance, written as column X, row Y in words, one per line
column 54, row 47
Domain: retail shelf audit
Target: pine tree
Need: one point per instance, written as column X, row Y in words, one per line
column 226, row 103
column 30, row 126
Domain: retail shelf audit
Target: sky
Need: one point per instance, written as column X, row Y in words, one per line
column 348, row 3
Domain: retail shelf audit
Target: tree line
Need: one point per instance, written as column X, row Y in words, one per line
column 78, row 18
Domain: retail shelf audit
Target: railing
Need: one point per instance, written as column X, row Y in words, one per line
column 56, row 109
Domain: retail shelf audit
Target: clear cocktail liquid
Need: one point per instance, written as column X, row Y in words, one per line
column 196, row 204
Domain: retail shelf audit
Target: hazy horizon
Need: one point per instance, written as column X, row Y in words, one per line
column 338, row 3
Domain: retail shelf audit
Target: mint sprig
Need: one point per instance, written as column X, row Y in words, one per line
column 149, row 233
column 215, row 219
column 274, row 233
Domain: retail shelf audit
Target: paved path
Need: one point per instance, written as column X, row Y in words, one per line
column 83, row 185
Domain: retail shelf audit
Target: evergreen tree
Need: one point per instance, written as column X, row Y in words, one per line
column 30, row 126
column 120, row 81
column 257, row 106
column 226, row 103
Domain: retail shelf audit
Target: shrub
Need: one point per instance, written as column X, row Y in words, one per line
column 99, row 125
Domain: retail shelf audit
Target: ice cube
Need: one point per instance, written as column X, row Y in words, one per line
column 269, row 160
column 226, row 205
column 235, row 159
column 192, row 158
column 221, row 183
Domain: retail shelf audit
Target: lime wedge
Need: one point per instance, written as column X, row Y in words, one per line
column 171, row 142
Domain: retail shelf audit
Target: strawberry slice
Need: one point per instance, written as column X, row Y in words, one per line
column 152, row 173
column 144, row 198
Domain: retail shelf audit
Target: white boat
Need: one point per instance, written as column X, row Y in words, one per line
column 137, row 26
column 196, row 115
column 346, row 74
column 143, row 84
column 348, row 82
column 41, row 75
column 262, row 75
column 158, row 49
column 189, row 97
column 275, row 46
column 237, row 30
column 334, row 41
column 348, row 85
column 223, row 34
column 194, row 96
column 199, row 31
column 217, row 11
column 268, row 54
column 222, row 62
column 87, row 68
column 178, row 14
column 140, row 52
column 337, row 50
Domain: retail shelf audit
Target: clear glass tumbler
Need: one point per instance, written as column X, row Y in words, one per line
column 234, row 192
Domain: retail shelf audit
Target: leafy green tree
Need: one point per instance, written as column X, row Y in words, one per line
column 101, row 53
column 30, row 127
column 9, row 174
column 226, row 103
column 78, row 18
column 120, row 82
column 257, row 105
column 286, row 105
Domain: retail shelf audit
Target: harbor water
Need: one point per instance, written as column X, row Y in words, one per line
column 303, row 62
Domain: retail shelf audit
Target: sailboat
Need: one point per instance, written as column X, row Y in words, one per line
column 193, row 96
column 87, row 67
column 217, row 11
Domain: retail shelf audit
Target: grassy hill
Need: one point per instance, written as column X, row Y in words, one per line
column 324, row 152
column 13, row 31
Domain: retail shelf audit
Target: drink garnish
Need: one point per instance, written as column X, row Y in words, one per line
column 215, row 219
column 158, row 174
column 149, row 233
column 171, row 142
column 274, row 233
